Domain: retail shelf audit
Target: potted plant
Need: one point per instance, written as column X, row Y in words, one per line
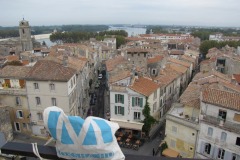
column 186, row 116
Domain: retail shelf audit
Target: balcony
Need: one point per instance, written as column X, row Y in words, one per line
column 13, row 91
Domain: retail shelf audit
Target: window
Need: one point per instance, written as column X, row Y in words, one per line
column 137, row 115
column 71, row 83
column 161, row 93
column 132, row 54
column 210, row 131
column 52, row 87
column 222, row 114
column 17, row 126
column 144, row 54
column 154, row 106
column 54, row 103
column 119, row 98
column 119, row 110
column 223, row 136
column 132, row 62
column 207, row 148
column 155, row 94
column 238, row 141
column 24, row 126
column 236, row 117
column 164, row 89
column 138, row 54
column 191, row 148
column 40, row 116
column 235, row 157
column 18, row 101
column 74, row 81
column 153, row 71
column 173, row 143
column 29, row 126
column 161, row 103
column 35, row 85
column 19, row 114
column 174, row 129
column 137, row 101
column 23, row 31
column 38, row 101
column 221, row 153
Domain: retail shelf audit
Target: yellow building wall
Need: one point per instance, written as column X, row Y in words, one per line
column 13, row 117
column 104, row 54
column 189, row 111
column 183, row 137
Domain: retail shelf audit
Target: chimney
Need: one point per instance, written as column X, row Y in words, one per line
column 153, row 77
column 136, row 75
column 65, row 60
column 233, row 81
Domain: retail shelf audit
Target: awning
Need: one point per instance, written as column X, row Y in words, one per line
column 170, row 153
column 128, row 125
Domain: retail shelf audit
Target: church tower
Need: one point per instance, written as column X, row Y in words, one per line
column 25, row 35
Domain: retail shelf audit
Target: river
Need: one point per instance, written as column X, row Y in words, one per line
column 129, row 30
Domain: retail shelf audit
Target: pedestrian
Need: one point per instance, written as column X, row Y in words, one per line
column 160, row 133
column 153, row 152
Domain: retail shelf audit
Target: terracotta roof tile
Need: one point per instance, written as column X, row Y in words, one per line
column 76, row 62
column 133, row 39
column 15, row 71
column 25, row 62
column 176, row 52
column 119, row 76
column 208, row 61
column 112, row 62
column 237, row 77
column 191, row 96
column 178, row 68
column 144, row 86
column 50, row 70
column 154, row 59
column 137, row 50
column 10, row 57
column 212, row 73
column 53, row 53
column 188, row 58
column 232, row 86
column 221, row 98
column 186, row 64
column 83, row 59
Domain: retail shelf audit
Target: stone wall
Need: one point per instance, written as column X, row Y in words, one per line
column 5, row 123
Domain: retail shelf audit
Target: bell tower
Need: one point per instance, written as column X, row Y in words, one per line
column 25, row 35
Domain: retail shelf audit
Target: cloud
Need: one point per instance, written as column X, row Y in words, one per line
column 58, row 12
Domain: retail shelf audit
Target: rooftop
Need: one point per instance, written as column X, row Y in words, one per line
column 112, row 62
column 10, row 57
column 191, row 96
column 237, row 77
column 137, row 50
column 178, row 68
column 212, row 73
column 221, row 98
column 188, row 58
column 155, row 59
column 186, row 64
column 176, row 52
column 15, row 71
column 119, row 76
column 50, row 70
column 144, row 86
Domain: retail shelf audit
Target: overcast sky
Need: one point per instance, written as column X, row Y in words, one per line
column 162, row 12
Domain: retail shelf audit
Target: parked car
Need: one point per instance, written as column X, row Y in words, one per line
column 100, row 76
column 94, row 96
column 90, row 112
column 97, row 85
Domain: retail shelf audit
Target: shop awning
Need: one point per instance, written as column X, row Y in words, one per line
column 170, row 153
column 128, row 125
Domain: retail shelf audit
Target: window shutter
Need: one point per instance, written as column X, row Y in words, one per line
column 115, row 98
column 141, row 102
column 122, row 99
column 215, row 152
column 133, row 101
column 123, row 111
column 227, row 155
column 202, row 147
column 115, row 109
column 211, row 152
column 17, row 114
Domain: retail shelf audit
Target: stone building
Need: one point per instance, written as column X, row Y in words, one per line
column 25, row 35
column 5, row 123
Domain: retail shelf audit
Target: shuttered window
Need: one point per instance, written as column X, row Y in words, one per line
column 119, row 110
column 119, row 98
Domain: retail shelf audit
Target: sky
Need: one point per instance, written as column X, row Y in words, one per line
column 156, row 12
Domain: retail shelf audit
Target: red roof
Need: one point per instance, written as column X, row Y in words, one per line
column 237, row 77
column 155, row 59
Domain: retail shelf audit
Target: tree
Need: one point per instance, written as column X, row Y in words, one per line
column 43, row 43
column 149, row 120
column 13, row 63
column 163, row 147
column 120, row 40
column 90, row 83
